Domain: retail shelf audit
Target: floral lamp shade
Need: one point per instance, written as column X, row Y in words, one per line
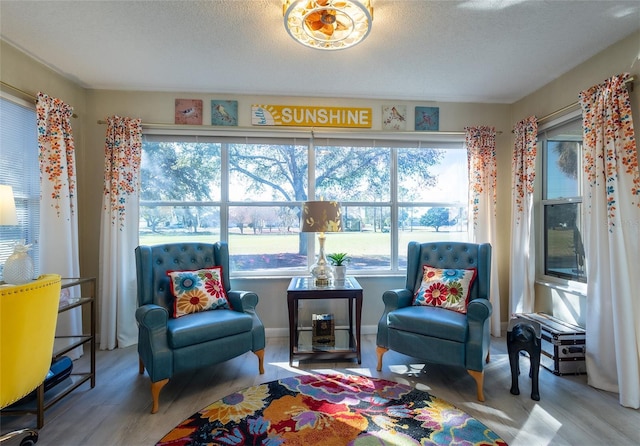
column 321, row 217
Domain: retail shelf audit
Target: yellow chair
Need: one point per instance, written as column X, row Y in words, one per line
column 28, row 316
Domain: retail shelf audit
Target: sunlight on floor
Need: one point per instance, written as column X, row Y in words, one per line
column 542, row 423
column 410, row 371
column 487, row 411
column 290, row 368
column 402, row 373
column 364, row 371
column 407, row 369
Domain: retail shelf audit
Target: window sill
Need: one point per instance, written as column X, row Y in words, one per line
column 355, row 273
column 577, row 288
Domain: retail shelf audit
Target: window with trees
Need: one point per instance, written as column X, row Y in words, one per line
column 564, row 255
column 249, row 191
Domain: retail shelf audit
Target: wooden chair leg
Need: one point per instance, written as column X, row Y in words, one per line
column 479, row 377
column 380, row 351
column 140, row 366
column 156, row 387
column 260, row 355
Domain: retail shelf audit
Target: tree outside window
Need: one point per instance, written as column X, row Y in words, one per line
column 249, row 192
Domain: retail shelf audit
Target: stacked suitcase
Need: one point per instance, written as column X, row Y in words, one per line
column 563, row 345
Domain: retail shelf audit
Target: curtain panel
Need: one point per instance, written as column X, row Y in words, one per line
column 119, row 233
column 58, row 237
column 481, row 163
column 611, row 204
column 522, row 265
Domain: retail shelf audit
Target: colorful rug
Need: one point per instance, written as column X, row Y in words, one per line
column 331, row 410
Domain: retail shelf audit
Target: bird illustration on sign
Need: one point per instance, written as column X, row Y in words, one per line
column 394, row 117
column 224, row 113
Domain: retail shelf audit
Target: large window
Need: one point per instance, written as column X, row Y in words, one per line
column 248, row 191
column 562, row 201
column 19, row 169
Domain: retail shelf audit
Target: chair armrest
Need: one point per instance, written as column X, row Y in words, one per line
column 153, row 345
column 152, row 317
column 246, row 302
column 398, row 298
column 479, row 310
column 243, row 301
column 393, row 299
column 477, row 345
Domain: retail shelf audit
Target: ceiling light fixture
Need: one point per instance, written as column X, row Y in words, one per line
column 328, row 24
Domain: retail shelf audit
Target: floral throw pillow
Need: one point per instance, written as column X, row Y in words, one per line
column 446, row 288
column 196, row 291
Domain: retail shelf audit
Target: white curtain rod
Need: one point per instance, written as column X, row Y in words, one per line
column 299, row 131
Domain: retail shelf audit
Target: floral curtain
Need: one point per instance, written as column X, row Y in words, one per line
column 611, row 208
column 119, row 233
column 58, row 238
column 481, row 161
column 522, row 266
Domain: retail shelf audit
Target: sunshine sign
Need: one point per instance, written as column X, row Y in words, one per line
column 309, row 116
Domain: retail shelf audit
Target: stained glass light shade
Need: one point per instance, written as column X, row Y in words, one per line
column 328, row 24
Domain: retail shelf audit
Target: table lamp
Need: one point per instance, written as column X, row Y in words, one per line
column 18, row 268
column 8, row 215
column 321, row 217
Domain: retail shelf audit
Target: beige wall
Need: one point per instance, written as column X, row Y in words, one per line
column 27, row 74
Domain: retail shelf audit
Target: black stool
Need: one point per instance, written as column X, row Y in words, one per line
column 524, row 334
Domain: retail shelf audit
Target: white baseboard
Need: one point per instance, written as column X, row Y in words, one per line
column 365, row 330
column 284, row 332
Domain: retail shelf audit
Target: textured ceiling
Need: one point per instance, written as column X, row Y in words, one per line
column 464, row 51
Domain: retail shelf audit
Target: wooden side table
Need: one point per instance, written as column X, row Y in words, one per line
column 347, row 340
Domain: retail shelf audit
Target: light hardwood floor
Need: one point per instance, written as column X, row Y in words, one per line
column 117, row 410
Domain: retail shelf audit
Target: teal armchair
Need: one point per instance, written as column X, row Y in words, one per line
column 437, row 335
column 167, row 345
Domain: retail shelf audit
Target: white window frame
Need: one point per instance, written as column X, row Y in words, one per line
column 552, row 281
column 415, row 140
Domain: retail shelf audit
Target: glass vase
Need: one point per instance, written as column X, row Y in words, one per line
column 19, row 269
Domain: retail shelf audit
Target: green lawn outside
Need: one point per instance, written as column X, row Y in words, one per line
column 560, row 242
column 276, row 251
column 363, row 243
column 561, row 252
